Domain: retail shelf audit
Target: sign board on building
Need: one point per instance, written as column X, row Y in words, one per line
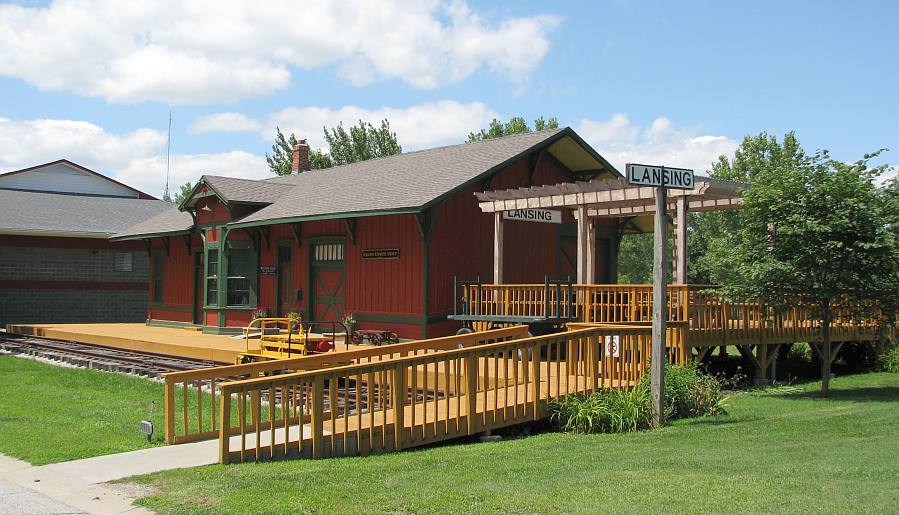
column 268, row 270
column 548, row 216
column 381, row 254
column 650, row 175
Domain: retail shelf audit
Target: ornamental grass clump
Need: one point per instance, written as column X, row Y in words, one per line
column 889, row 361
column 610, row 410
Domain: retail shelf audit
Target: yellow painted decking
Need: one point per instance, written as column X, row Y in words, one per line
column 143, row 338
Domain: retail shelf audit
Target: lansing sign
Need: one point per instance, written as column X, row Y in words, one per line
column 662, row 176
column 547, row 216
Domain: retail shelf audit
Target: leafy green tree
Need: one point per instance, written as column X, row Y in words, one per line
column 279, row 161
column 362, row 142
column 815, row 228
column 515, row 125
column 180, row 196
column 712, row 235
column 186, row 188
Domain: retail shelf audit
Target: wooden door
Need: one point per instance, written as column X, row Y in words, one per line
column 327, row 286
column 285, row 280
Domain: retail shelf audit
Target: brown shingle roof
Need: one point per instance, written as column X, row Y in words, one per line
column 170, row 221
column 403, row 182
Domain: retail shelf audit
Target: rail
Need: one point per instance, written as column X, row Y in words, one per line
column 415, row 400
column 698, row 316
column 191, row 397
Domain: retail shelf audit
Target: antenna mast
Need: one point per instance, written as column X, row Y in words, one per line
column 168, row 155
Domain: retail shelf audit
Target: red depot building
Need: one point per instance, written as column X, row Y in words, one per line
column 381, row 239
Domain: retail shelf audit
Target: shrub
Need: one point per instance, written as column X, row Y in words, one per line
column 889, row 361
column 689, row 392
column 609, row 410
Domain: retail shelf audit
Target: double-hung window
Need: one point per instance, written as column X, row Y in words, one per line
column 212, row 277
column 240, row 276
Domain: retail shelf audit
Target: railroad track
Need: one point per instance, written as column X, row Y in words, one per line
column 97, row 356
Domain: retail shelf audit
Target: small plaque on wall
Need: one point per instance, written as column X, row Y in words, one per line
column 381, row 254
column 268, row 270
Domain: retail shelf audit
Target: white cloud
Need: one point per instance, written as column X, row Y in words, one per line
column 204, row 52
column 136, row 158
column 621, row 141
column 419, row 126
column 225, row 122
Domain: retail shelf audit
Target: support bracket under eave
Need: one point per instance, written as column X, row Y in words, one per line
column 297, row 229
column 148, row 244
column 166, row 243
column 351, row 229
column 265, row 236
column 187, row 238
column 425, row 223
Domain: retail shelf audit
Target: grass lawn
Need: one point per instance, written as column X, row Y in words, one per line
column 782, row 450
column 50, row 414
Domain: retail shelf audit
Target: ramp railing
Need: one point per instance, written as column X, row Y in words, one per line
column 192, row 397
column 415, row 400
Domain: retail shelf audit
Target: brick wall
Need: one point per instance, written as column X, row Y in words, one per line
column 57, row 284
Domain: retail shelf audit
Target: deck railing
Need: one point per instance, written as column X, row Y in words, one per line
column 414, row 400
column 699, row 317
column 192, row 397
column 595, row 303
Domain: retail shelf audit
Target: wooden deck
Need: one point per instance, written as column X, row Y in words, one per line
column 185, row 343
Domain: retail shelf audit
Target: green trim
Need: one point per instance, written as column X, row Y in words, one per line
column 168, row 307
column 157, row 263
column 222, row 330
column 385, row 318
column 335, row 216
column 169, row 323
column 425, row 281
column 150, row 235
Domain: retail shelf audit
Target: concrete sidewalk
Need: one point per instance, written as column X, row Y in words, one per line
column 77, row 486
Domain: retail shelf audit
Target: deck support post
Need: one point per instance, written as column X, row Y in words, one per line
column 680, row 262
column 586, row 246
column 169, row 407
column 398, row 391
column 498, row 247
column 471, row 392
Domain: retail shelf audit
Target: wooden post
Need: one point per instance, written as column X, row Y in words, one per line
column 826, row 356
column 398, row 391
column 169, row 408
column 583, row 236
column 659, row 308
column 471, row 391
column 316, row 424
column 225, row 427
column 681, row 240
column 590, row 258
column 498, row 247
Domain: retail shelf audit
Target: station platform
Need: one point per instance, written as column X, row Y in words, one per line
column 170, row 341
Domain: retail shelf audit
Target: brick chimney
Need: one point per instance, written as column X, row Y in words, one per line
column 300, row 161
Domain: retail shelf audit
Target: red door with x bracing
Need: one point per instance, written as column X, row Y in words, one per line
column 328, row 282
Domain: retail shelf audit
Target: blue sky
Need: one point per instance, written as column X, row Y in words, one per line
column 672, row 82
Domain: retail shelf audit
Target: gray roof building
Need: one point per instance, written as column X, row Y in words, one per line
column 404, row 183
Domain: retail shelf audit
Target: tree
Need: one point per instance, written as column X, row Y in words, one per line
column 279, row 161
column 813, row 228
column 712, row 235
column 515, row 125
column 360, row 143
column 186, row 188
